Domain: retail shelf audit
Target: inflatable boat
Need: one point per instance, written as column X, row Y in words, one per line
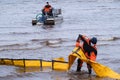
column 47, row 19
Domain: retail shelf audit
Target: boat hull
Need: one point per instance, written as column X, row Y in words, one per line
column 49, row 21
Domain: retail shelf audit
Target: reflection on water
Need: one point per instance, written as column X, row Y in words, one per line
column 58, row 75
column 33, row 69
column 47, row 26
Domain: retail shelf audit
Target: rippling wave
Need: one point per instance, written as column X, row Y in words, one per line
column 53, row 43
column 110, row 39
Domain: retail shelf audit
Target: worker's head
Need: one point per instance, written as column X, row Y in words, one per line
column 93, row 40
column 47, row 2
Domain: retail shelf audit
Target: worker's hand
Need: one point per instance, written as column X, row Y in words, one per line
column 77, row 44
column 88, row 61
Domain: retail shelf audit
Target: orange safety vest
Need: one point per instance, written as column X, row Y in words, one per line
column 92, row 54
column 47, row 9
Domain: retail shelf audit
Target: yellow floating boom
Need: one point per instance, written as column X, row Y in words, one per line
column 57, row 64
column 61, row 64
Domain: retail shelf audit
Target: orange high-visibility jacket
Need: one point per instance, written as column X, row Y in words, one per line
column 47, row 8
column 89, row 50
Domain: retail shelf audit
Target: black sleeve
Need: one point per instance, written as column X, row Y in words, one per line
column 83, row 39
column 79, row 37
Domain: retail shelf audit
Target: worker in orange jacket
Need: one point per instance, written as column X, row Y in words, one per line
column 89, row 48
column 47, row 10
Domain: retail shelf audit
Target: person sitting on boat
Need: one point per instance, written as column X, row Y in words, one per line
column 47, row 10
column 89, row 48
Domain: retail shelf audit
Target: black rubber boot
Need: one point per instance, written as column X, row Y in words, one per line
column 78, row 69
column 89, row 71
column 78, row 65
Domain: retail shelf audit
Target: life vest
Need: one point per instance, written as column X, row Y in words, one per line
column 47, row 8
column 89, row 50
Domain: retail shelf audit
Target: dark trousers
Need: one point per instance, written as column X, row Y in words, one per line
column 79, row 65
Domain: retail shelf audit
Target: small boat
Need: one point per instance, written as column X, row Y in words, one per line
column 48, row 20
